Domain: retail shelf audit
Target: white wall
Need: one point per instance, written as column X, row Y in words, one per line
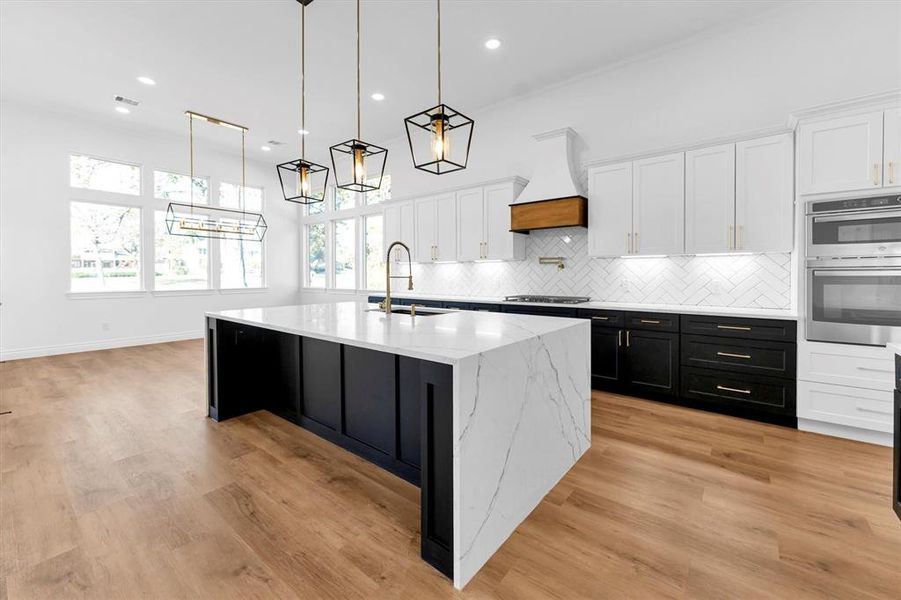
column 747, row 78
column 37, row 316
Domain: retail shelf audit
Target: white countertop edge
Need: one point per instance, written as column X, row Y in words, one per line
column 401, row 351
column 688, row 309
column 894, row 347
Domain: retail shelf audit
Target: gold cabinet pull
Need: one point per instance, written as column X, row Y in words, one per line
column 875, row 173
column 730, row 239
column 600, row 318
column 629, row 243
column 627, row 338
column 619, row 338
column 729, row 389
column 734, row 327
column 731, row 355
column 637, row 244
column 649, row 321
column 740, row 244
column 891, row 171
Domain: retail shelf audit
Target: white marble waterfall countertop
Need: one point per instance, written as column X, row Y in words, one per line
column 686, row 309
column 445, row 338
column 896, row 348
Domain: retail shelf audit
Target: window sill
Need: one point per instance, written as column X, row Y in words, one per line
column 258, row 290
column 164, row 293
column 104, row 295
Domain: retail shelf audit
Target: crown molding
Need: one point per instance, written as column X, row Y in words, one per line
column 884, row 99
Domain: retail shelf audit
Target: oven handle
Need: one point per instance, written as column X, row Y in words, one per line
column 857, row 216
column 858, row 273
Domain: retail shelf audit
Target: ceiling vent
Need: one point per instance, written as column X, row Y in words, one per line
column 275, row 143
column 125, row 100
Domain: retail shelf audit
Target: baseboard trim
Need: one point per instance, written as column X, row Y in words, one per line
column 844, row 431
column 38, row 351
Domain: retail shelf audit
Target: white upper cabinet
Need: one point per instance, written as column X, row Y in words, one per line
column 500, row 242
column 764, row 206
column 891, row 175
column 841, row 154
column 470, row 224
column 710, row 200
column 436, row 229
column 658, row 205
column 610, row 210
column 399, row 227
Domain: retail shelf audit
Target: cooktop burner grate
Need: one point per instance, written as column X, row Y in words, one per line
column 548, row 299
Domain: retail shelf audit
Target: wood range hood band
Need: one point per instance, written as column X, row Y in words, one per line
column 571, row 211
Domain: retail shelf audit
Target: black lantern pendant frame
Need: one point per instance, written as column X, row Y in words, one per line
column 291, row 172
column 367, row 149
column 426, row 120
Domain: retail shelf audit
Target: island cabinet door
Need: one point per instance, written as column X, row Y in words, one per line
column 370, row 398
column 321, row 400
column 237, row 361
column 652, row 362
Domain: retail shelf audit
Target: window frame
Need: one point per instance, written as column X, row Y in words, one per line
column 264, row 282
column 74, row 189
column 154, row 171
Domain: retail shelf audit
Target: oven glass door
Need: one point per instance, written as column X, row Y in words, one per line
column 855, row 305
column 854, row 234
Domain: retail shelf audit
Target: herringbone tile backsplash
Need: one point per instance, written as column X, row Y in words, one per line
column 758, row 280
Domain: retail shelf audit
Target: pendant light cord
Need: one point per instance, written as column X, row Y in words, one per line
column 303, row 88
column 243, row 133
column 358, row 69
column 439, row 51
column 191, row 152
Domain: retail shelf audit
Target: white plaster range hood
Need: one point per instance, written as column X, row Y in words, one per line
column 552, row 198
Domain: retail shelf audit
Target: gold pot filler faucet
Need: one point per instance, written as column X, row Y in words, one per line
column 386, row 303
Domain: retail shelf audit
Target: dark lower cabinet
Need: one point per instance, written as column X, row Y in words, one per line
column 370, row 398
column 652, row 362
column 738, row 390
column 321, row 368
column 606, row 357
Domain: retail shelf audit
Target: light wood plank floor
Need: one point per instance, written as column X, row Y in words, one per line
column 115, row 485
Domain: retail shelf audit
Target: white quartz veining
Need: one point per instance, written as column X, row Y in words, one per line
column 445, row 338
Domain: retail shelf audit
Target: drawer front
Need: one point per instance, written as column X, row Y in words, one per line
column 652, row 321
column 775, row 359
column 457, row 305
column 604, row 318
column 841, row 364
column 548, row 311
column 855, row 407
column 751, row 329
column 746, row 391
column 481, row 307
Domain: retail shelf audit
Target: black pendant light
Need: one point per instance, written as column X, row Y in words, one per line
column 440, row 136
column 303, row 181
column 356, row 162
column 203, row 221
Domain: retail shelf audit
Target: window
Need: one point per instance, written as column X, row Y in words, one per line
column 174, row 187
column 102, row 175
column 316, row 255
column 230, row 197
column 241, row 262
column 345, row 250
column 381, row 194
column 180, row 262
column 373, row 244
column 344, row 199
column 105, row 248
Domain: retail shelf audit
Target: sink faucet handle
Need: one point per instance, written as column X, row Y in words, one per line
column 410, row 282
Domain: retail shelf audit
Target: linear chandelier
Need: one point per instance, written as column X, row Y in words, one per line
column 202, row 221
column 440, row 136
column 356, row 157
column 303, row 181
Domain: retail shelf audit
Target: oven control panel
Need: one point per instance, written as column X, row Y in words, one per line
column 855, row 204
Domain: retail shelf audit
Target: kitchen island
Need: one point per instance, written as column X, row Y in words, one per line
column 484, row 411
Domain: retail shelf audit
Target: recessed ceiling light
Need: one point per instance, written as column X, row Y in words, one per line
column 303, row 132
column 492, row 43
column 265, row 148
column 122, row 109
column 378, row 96
column 146, row 80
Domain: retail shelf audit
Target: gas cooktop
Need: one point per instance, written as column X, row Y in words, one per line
column 548, row 299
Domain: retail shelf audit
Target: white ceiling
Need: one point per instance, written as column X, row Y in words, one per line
column 239, row 60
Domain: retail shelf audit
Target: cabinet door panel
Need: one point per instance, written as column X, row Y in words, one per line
column 321, row 382
column 610, row 210
column 370, row 400
column 658, row 213
column 470, row 221
column 425, row 230
column 891, row 176
column 841, row 154
column 764, row 202
column 606, row 358
column 710, row 199
column 446, row 227
column 500, row 243
column 653, row 361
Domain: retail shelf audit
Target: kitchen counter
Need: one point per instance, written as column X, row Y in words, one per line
column 505, row 401
column 893, row 347
column 715, row 311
